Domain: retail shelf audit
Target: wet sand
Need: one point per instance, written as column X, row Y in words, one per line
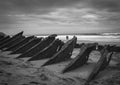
column 20, row 72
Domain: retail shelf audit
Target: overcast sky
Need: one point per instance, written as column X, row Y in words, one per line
column 59, row 16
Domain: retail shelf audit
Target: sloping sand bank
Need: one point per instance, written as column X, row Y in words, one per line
column 19, row 72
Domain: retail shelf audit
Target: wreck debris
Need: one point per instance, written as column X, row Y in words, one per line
column 26, row 46
column 20, row 43
column 12, row 40
column 7, row 45
column 63, row 54
column 58, row 51
column 47, row 52
column 4, row 38
column 38, row 47
column 102, row 63
column 80, row 59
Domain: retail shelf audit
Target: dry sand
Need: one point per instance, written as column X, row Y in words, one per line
column 19, row 72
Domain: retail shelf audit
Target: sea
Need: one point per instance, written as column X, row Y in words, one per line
column 104, row 38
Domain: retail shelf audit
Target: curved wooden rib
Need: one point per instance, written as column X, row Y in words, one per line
column 12, row 41
column 47, row 52
column 12, row 38
column 38, row 47
column 26, row 46
column 81, row 58
column 102, row 63
column 63, row 54
column 4, row 39
column 20, row 43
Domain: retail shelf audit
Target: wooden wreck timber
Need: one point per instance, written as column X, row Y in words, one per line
column 1, row 36
column 61, row 43
column 4, row 39
column 113, row 48
column 100, row 47
column 12, row 42
column 38, row 47
column 47, row 52
column 64, row 54
column 107, row 58
column 77, row 45
column 102, row 63
column 11, row 39
column 20, row 43
column 110, row 48
column 81, row 58
column 23, row 48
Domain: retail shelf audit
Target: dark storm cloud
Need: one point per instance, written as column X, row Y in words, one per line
column 43, row 6
column 29, row 6
column 107, row 10
column 109, row 5
column 19, row 7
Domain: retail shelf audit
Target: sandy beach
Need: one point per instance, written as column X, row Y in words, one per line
column 59, row 42
column 20, row 72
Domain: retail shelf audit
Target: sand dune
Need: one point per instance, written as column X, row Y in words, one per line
column 19, row 72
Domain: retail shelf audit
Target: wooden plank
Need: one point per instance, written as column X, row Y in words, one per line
column 20, row 43
column 47, row 52
column 38, row 47
column 113, row 48
column 4, row 40
column 81, row 58
column 11, row 39
column 23, row 48
column 2, row 37
column 102, row 63
column 8, row 44
column 64, row 54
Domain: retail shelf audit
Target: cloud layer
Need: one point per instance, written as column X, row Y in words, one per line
column 101, row 15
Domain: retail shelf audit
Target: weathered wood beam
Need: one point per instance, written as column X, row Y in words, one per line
column 81, row 58
column 20, row 43
column 102, row 63
column 78, row 45
column 64, row 54
column 47, row 52
column 38, row 47
column 8, row 44
column 1, row 37
column 113, row 48
column 26, row 46
column 60, row 45
column 12, row 38
column 4, row 39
